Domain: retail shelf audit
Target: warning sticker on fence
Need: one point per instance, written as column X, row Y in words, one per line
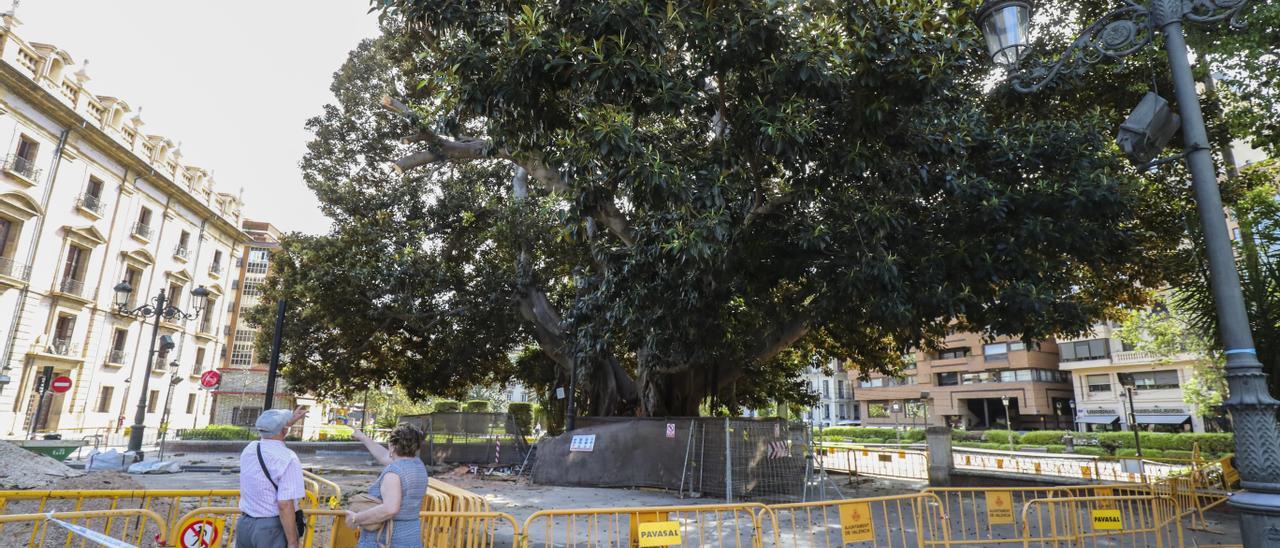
column 1104, row 492
column 1107, row 520
column 999, row 507
column 200, row 533
column 659, row 533
column 855, row 522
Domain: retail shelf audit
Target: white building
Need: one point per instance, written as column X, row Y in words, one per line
column 1102, row 367
column 88, row 199
column 835, row 396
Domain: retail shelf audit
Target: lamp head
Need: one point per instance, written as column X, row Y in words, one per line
column 1006, row 26
column 1148, row 129
column 166, row 343
column 122, row 289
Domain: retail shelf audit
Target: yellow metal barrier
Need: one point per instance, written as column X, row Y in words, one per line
column 327, row 528
column 135, row 524
column 321, row 492
column 720, row 525
column 1138, row 521
column 992, row 515
column 461, row 500
column 903, row 520
column 166, row 503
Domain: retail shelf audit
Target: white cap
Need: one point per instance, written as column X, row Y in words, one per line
column 272, row 421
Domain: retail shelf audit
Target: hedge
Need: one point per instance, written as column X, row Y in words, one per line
column 1093, row 451
column 219, row 432
column 478, row 406
column 522, row 413
column 1000, row 436
column 858, row 434
column 1044, row 437
column 1209, row 443
column 446, row 406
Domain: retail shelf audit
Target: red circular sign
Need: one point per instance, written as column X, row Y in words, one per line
column 210, row 378
column 60, row 384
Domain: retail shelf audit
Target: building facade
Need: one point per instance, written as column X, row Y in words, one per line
column 1104, row 369
column 835, row 404
column 88, row 199
column 964, row 386
column 239, row 398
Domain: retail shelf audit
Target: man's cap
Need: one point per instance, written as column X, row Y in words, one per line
column 272, row 421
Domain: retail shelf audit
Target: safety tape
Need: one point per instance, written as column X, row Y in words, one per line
column 90, row 534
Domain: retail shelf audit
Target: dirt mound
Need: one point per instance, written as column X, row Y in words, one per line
column 22, row 469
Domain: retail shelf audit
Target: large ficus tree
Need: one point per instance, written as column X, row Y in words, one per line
column 689, row 202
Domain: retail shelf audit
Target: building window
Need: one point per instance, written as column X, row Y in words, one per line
column 840, row 389
column 183, row 250
column 24, row 159
column 143, row 226
column 191, row 403
column 92, row 198
column 916, row 409
column 1098, row 383
column 206, row 316
column 175, row 295
column 8, row 247
column 877, row 411
column 948, row 379
column 62, row 333
column 826, row 389
column 953, row 353
column 1150, row 380
column 252, row 288
column 133, row 277
column 104, row 399
column 199, row 366
column 216, row 266
column 118, row 341
column 844, row 412
column 997, row 351
column 245, row 416
column 826, row 412
column 1092, row 349
column 152, row 398
column 73, row 270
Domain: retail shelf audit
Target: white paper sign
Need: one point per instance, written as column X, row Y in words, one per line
column 671, row 430
column 585, row 443
column 559, row 392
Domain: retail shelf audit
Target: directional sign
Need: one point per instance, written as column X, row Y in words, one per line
column 60, row 384
column 200, row 533
column 671, row 430
column 210, row 378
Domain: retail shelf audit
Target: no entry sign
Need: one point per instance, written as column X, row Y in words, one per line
column 60, row 384
column 210, row 378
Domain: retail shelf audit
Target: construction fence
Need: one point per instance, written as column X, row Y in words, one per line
column 490, row 439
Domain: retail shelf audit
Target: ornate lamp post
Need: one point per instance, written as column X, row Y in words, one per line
column 160, row 310
column 1008, row 420
column 1122, row 32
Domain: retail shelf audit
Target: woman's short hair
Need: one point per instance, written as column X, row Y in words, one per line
column 406, row 440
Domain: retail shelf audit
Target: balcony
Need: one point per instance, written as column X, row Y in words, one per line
column 71, row 286
column 91, row 204
column 142, row 230
column 181, row 252
column 62, row 347
column 117, row 357
column 215, row 269
column 12, row 273
column 22, row 168
column 1128, row 357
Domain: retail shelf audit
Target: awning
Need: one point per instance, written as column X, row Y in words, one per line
column 1162, row 419
column 1097, row 419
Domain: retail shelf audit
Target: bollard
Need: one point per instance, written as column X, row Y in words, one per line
column 1069, row 441
column 938, row 441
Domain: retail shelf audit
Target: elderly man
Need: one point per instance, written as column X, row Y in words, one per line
column 270, row 485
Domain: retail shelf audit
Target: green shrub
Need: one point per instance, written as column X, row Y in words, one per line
column 1095, row 451
column 478, row 406
column 1177, row 454
column 446, row 406
column 1121, row 440
column 1152, row 453
column 219, row 432
column 334, row 432
column 1056, row 448
column 522, row 414
column 913, row 435
column 1043, row 437
column 1000, row 436
column 861, row 433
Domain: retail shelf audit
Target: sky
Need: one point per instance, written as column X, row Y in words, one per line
column 233, row 80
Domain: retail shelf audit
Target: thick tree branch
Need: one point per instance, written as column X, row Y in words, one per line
column 770, row 346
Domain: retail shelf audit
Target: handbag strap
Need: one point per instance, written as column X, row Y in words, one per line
column 263, row 463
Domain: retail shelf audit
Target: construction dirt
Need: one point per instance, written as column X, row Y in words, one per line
column 22, row 469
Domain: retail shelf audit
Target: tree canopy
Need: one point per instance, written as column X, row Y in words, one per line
column 693, row 201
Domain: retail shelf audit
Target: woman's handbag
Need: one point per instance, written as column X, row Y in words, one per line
column 365, row 501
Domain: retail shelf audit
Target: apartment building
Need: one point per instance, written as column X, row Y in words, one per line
column 239, row 398
column 835, row 404
column 88, row 199
column 1105, row 369
column 965, row 385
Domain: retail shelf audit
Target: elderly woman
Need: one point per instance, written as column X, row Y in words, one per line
column 401, row 487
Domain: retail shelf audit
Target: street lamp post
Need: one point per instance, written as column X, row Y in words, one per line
column 160, row 310
column 1133, row 421
column 174, row 379
column 1119, row 33
column 1075, row 425
column 1008, row 420
column 897, row 430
